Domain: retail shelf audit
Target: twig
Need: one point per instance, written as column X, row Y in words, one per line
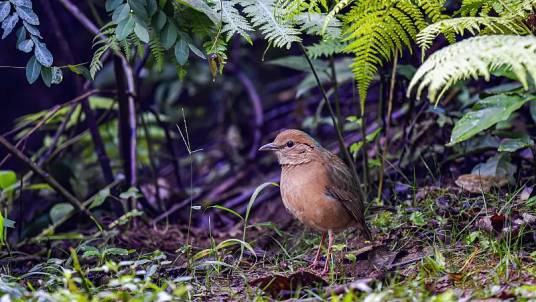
column 73, row 9
column 256, row 103
column 49, row 180
column 43, row 121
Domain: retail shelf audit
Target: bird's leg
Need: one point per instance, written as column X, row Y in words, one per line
column 317, row 257
column 330, row 250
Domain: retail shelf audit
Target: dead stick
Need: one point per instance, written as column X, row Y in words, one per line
column 49, row 180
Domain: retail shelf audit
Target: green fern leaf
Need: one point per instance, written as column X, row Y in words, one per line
column 325, row 48
column 473, row 58
column 377, row 31
column 270, row 22
column 157, row 51
column 492, row 25
column 233, row 21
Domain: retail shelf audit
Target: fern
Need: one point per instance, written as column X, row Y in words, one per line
column 325, row 48
column 271, row 22
column 157, row 51
column 495, row 25
column 313, row 24
column 474, row 8
column 334, row 11
column 473, row 58
column 233, row 21
column 377, row 31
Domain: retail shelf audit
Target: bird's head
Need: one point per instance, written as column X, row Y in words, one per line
column 293, row 147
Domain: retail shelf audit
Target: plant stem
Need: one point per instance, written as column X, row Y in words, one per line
column 127, row 119
column 335, row 84
column 387, row 126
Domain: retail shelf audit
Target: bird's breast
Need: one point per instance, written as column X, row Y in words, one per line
column 303, row 191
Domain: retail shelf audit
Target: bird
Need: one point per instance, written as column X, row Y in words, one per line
column 317, row 188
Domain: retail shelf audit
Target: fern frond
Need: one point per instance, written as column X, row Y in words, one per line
column 270, row 22
column 96, row 63
column 325, row 48
column 473, row 8
column 473, row 58
column 434, row 9
column 492, row 25
column 377, row 31
column 157, row 51
column 313, row 24
column 233, row 21
column 334, row 11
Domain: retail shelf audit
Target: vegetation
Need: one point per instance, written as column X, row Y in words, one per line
column 137, row 177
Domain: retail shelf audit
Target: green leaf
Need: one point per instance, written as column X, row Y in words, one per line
column 299, row 63
column 46, row 75
column 181, row 52
column 81, row 70
column 159, row 20
column 198, row 52
column 42, row 54
column 124, row 28
column 115, row 251
column 141, row 32
column 417, row 218
column 7, row 179
column 59, row 211
column 168, row 35
column 5, row 9
column 32, row 29
column 27, row 15
column 33, row 69
column 99, row 199
column 25, row 3
column 8, row 223
column 21, row 34
column 26, row 45
column 121, row 13
column 486, row 113
column 152, row 7
column 112, row 4
column 514, row 144
column 131, row 193
column 9, row 23
column 138, row 8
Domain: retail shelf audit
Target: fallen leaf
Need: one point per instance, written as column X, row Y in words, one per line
column 480, row 183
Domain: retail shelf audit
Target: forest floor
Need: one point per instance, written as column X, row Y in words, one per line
column 441, row 245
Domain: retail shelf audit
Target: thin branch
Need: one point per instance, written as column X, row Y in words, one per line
column 49, row 180
column 256, row 103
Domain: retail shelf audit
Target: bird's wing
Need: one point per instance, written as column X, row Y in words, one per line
column 341, row 187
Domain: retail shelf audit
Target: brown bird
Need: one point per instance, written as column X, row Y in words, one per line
column 317, row 188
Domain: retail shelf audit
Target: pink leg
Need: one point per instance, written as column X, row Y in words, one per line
column 317, row 257
column 330, row 250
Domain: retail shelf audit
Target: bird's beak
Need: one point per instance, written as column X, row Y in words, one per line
column 268, row 147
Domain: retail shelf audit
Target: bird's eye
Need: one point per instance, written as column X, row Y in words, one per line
column 290, row 144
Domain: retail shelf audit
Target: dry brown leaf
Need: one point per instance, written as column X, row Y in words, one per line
column 480, row 183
